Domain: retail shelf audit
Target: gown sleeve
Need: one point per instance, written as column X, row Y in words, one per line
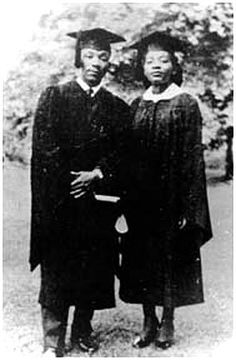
column 113, row 160
column 45, row 164
column 193, row 179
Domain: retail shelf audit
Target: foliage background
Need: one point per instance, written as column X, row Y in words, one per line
column 208, row 72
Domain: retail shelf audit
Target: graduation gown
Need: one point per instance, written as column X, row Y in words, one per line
column 161, row 262
column 75, row 238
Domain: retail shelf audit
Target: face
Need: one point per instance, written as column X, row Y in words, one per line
column 158, row 66
column 94, row 64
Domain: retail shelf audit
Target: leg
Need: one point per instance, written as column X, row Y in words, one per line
column 54, row 310
column 166, row 335
column 150, row 325
column 54, row 329
column 81, row 339
column 168, row 313
column 81, row 325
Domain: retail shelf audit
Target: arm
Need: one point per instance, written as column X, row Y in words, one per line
column 107, row 150
column 192, row 172
column 45, row 164
column 115, row 150
column 112, row 149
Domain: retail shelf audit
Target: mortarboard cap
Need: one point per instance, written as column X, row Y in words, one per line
column 163, row 39
column 97, row 36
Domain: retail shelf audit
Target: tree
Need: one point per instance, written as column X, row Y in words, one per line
column 207, row 64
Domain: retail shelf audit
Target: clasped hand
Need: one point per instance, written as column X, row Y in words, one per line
column 82, row 182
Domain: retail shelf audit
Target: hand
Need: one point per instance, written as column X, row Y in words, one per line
column 182, row 223
column 82, row 182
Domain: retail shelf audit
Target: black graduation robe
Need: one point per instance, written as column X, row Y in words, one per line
column 75, row 239
column 161, row 263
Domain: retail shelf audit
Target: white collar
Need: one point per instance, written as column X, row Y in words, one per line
column 172, row 91
column 86, row 87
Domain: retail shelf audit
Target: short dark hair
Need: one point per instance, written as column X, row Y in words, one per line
column 77, row 55
column 79, row 47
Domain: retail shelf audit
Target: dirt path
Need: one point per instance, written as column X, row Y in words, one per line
column 200, row 330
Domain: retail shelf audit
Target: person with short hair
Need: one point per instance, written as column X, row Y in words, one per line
column 78, row 136
column 166, row 206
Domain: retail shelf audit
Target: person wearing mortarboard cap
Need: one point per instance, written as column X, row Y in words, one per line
column 78, row 135
column 167, row 208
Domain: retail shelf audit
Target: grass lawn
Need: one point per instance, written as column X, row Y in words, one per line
column 200, row 329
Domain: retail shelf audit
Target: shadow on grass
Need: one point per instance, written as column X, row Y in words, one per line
column 218, row 179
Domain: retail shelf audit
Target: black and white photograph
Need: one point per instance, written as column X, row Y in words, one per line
column 117, row 168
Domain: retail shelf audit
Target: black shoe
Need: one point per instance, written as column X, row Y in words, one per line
column 147, row 336
column 51, row 353
column 86, row 344
column 166, row 334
